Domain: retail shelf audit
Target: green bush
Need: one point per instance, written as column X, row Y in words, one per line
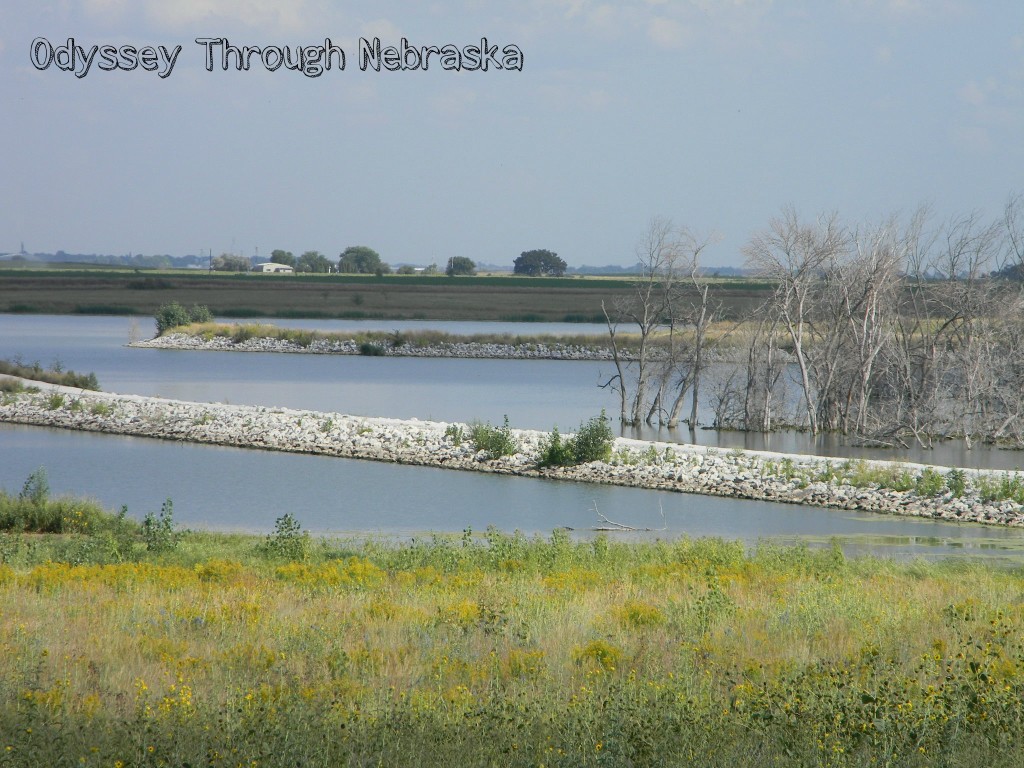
column 556, row 452
column 956, row 482
column 494, row 441
column 370, row 349
column 36, row 489
column 930, row 483
column 174, row 314
column 592, row 442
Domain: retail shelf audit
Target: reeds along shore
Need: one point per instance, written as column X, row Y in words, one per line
column 994, row 497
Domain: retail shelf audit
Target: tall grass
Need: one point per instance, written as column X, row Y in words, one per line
column 504, row 649
column 240, row 332
column 55, row 374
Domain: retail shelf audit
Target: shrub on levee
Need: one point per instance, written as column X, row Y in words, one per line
column 174, row 315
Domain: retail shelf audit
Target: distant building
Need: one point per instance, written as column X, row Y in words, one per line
column 271, row 267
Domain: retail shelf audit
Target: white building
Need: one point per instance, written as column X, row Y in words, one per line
column 274, row 268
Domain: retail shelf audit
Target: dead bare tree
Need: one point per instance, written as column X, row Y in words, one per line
column 656, row 372
column 697, row 314
column 869, row 284
column 645, row 310
column 794, row 255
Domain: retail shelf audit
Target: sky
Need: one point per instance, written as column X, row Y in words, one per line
column 714, row 114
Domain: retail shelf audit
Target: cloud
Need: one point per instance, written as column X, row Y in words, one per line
column 597, row 98
column 901, row 10
column 105, row 8
column 454, row 102
column 269, row 14
column 666, row 33
column 571, row 91
column 973, row 94
column 386, row 30
column 973, row 138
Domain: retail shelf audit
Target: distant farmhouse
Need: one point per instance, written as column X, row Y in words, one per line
column 270, row 267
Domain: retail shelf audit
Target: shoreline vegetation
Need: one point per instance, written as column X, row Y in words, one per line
column 143, row 645
column 985, row 496
column 260, row 337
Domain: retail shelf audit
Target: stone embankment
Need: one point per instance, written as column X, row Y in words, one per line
column 331, row 346
column 668, row 466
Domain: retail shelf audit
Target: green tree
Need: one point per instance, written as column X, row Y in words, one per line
column 313, row 261
column 539, row 262
column 229, row 262
column 460, row 265
column 360, row 260
column 282, row 257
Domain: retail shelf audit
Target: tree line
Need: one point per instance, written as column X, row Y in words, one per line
column 899, row 331
column 363, row 260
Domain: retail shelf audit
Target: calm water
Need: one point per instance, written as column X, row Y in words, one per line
column 534, row 394
column 235, row 489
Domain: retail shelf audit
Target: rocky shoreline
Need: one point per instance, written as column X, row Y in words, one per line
column 667, row 466
column 332, row 346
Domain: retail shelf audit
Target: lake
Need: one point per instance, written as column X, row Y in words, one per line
column 235, row 489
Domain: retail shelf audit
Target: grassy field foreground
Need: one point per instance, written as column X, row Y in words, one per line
column 138, row 645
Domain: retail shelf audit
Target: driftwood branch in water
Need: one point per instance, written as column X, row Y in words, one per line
column 613, row 526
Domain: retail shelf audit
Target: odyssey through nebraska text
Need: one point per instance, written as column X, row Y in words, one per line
column 310, row 60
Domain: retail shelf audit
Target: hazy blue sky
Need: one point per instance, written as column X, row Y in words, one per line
column 715, row 114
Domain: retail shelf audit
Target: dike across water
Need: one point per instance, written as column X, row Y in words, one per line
column 548, row 350
column 697, row 469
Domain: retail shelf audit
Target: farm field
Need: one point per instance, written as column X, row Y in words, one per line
column 506, row 298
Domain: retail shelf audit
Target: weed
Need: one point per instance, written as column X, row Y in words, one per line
column 599, row 653
column 956, row 482
column 100, row 409
column 930, row 483
column 288, row 541
column 455, row 434
column 158, row 530
column 36, row 489
column 493, row 441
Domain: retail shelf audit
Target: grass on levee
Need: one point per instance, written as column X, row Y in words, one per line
column 241, row 332
column 143, row 645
